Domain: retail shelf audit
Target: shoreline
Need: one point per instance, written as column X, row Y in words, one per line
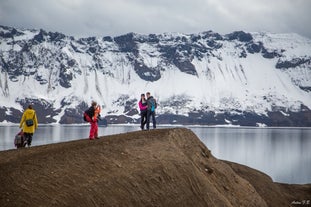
column 285, row 174
column 165, row 125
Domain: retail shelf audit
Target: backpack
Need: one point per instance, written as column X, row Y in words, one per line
column 87, row 116
column 20, row 140
column 153, row 104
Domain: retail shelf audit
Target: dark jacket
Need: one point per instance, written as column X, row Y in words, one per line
column 151, row 101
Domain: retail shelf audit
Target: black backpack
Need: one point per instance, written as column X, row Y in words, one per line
column 87, row 115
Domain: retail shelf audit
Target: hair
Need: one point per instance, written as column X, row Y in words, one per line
column 94, row 103
column 148, row 93
column 30, row 106
column 141, row 98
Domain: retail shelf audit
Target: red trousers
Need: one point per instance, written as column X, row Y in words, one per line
column 93, row 130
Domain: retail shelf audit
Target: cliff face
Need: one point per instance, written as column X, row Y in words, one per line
column 205, row 78
column 167, row 167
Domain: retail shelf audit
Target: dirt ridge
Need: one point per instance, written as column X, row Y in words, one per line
column 163, row 167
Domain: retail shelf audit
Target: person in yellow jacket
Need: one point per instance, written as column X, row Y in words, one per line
column 29, row 123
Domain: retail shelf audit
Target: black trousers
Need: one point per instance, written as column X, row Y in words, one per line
column 143, row 119
column 151, row 114
column 28, row 138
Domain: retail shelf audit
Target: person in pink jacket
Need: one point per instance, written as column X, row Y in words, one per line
column 143, row 111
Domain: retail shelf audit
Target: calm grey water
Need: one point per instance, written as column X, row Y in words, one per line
column 282, row 153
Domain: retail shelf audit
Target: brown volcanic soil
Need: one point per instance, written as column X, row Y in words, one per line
column 166, row 167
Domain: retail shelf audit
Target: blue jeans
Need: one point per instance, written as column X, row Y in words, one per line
column 151, row 114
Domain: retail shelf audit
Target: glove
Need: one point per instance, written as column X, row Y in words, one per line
column 99, row 117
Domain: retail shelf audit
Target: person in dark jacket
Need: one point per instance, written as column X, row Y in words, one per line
column 152, row 105
column 143, row 111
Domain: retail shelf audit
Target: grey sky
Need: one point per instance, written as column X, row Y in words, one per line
column 115, row 17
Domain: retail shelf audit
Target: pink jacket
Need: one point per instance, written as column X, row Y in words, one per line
column 142, row 106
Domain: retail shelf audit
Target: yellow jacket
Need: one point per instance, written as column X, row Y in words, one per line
column 29, row 114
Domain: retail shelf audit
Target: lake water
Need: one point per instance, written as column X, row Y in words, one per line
column 282, row 153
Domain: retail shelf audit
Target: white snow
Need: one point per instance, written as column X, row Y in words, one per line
column 225, row 82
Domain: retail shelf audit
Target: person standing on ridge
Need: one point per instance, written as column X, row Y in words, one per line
column 29, row 123
column 152, row 105
column 92, row 116
column 143, row 111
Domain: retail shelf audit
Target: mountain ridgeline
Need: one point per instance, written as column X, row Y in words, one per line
column 249, row 79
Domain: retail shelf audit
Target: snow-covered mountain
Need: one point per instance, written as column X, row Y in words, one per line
column 206, row 78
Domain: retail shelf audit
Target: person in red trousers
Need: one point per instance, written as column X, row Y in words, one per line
column 93, row 114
